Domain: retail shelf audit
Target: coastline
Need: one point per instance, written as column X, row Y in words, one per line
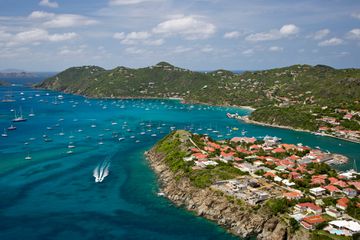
column 243, row 118
column 249, row 121
column 239, row 219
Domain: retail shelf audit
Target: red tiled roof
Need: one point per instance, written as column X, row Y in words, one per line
column 291, row 195
column 310, row 205
column 332, row 188
column 314, row 219
column 214, row 145
column 269, row 174
column 199, row 155
column 278, row 150
column 343, row 202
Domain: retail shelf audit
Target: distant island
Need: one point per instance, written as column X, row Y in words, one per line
column 259, row 187
column 318, row 98
column 15, row 73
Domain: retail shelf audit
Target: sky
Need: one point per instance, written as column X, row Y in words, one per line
column 52, row 35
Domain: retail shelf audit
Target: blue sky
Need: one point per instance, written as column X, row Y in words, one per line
column 51, row 35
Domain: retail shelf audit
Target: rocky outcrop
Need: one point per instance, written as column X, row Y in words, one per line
column 239, row 219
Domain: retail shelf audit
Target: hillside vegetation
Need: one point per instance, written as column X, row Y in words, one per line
column 292, row 96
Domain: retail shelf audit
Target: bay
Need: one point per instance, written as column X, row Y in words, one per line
column 54, row 195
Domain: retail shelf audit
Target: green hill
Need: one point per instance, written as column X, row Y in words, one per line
column 300, row 92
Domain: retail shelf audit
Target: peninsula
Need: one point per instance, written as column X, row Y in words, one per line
column 259, row 187
column 317, row 98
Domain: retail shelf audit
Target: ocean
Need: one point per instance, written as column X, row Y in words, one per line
column 73, row 141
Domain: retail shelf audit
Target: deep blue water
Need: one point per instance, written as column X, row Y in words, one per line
column 54, row 195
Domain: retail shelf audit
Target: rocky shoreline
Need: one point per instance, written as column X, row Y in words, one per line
column 239, row 219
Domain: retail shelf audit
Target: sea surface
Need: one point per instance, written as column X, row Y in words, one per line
column 73, row 141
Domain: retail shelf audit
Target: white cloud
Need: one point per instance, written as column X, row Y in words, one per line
column 72, row 51
column 248, row 52
column 354, row 34
column 4, row 36
column 232, row 35
column 275, row 34
column 129, row 2
column 34, row 36
column 134, row 38
column 321, row 34
column 289, row 29
column 331, row 42
column 40, row 15
column 119, row 35
column 356, row 15
column 156, row 42
column 51, row 20
column 135, row 51
column 276, row 49
column 181, row 49
column 207, row 49
column 47, row 3
column 189, row 27
column 62, row 37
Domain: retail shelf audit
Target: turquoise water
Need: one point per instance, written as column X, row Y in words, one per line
column 54, row 195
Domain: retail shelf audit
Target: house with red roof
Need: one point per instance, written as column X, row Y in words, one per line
column 242, row 150
column 294, row 175
column 278, row 150
column 227, row 156
column 293, row 195
column 318, row 179
column 342, row 203
column 269, row 174
column 200, row 156
column 243, row 139
column 288, row 147
column 308, row 207
column 348, row 116
column 214, row 145
column 195, row 150
column 254, row 147
column 209, row 149
column 311, row 222
column 332, row 189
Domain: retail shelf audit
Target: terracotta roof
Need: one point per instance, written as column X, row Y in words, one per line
column 314, row 219
column 342, row 202
column 292, row 194
column 200, row 155
column 332, row 188
column 309, row 205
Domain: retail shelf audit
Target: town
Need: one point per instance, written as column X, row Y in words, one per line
column 297, row 178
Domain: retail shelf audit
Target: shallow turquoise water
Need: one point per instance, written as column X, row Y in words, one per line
column 54, row 195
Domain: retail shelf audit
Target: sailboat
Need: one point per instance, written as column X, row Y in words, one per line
column 4, row 134
column 28, row 157
column 19, row 118
column 11, row 128
column 31, row 114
